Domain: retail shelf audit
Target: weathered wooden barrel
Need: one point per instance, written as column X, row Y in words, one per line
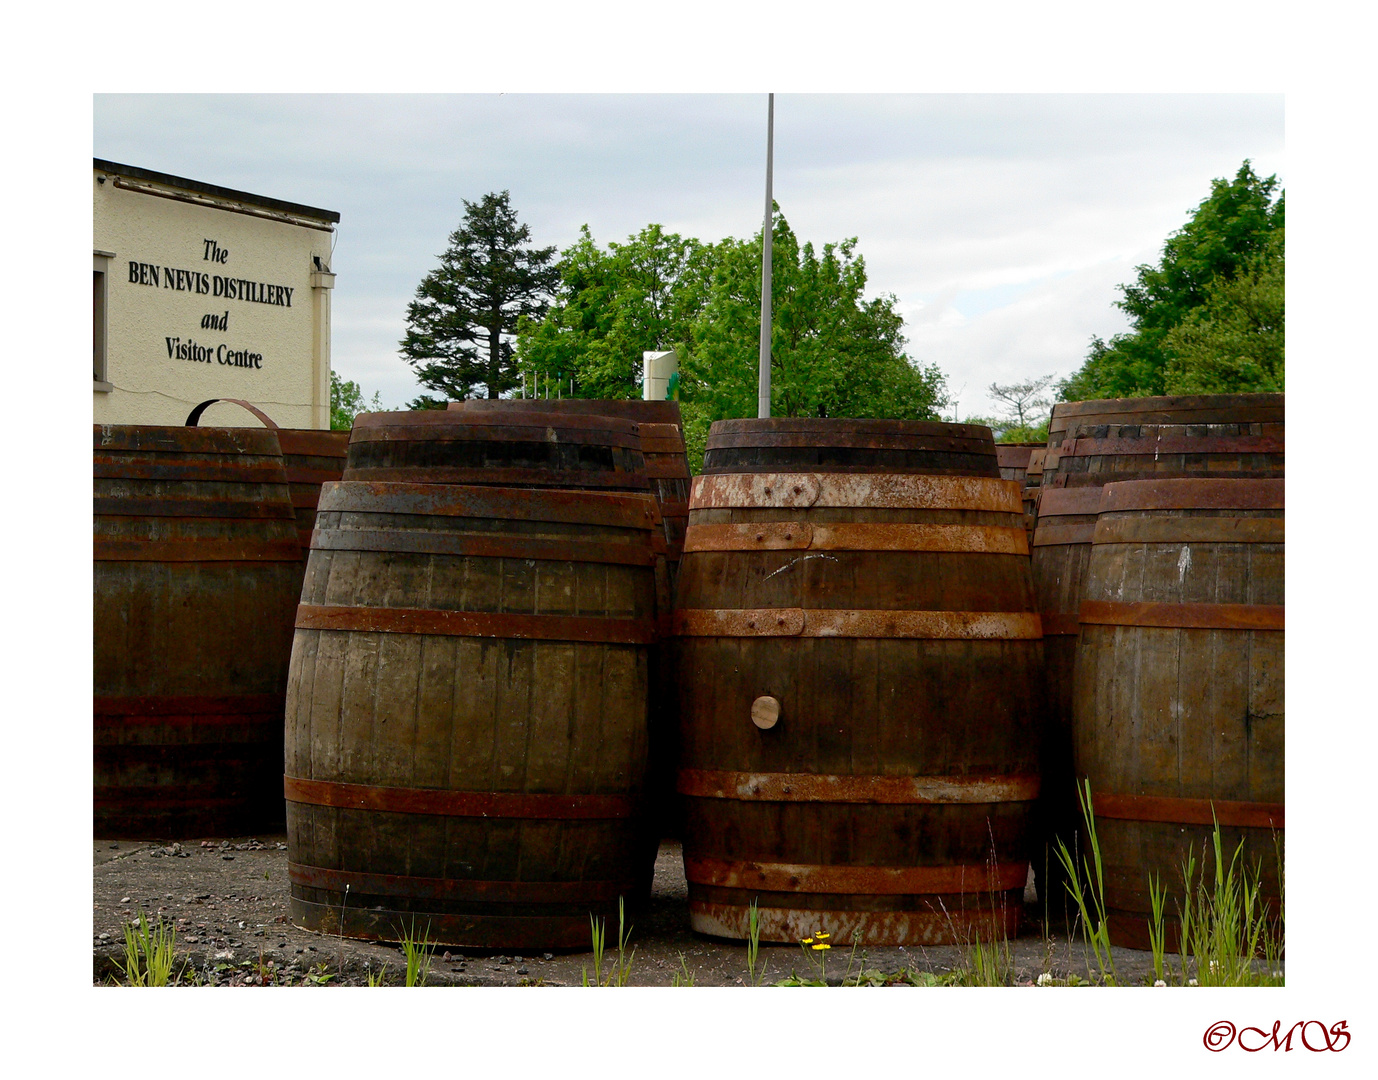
column 810, row 444
column 310, row 456
column 859, row 663
column 1178, row 704
column 1093, row 443
column 661, row 431
column 1098, row 442
column 197, row 573
column 467, row 713
column 503, row 449
column 1033, row 482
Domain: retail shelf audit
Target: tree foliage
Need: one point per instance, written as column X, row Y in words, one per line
column 833, row 352
column 1227, row 235
column 461, row 326
column 347, row 402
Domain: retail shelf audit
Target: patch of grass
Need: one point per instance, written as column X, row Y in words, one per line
column 376, row 978
column 418, row 955
column 753, row 944
column 1089, row 891
column 598, row 931
column 621, row 973
column 148, row 953
column 986, row 964
column 683, row 977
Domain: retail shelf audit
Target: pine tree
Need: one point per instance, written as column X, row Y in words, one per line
column 461, row 325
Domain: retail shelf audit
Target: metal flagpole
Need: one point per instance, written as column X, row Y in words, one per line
column 763, row 385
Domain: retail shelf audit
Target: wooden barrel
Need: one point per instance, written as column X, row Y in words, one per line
column 196, row 576
column 466, row 713
column 1033, row 482
column 1093, row 443
column 1144, row 438
column 1178, row 704
column 1013, row 460
column 528, row 450
column 809, row 444
column 661, row 431
column 859, row 663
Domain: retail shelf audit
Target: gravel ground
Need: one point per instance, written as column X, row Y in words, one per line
column 229, row 902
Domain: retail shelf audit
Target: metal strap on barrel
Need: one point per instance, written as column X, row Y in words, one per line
column 841, row 623
column 1183, row 616
column 195, row 414
column 872, row 880
column 197, row 550
column 486, row 545
column 1158, row 444
column 458, row 889
column 445, row 803
column 566, row 506
column 1185, row 530
column 483, row 624
column 904, row 491
column 1258, row 815
column 822, row 787
column 856, row 536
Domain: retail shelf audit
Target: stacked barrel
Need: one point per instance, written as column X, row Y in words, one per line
column 1016, row 461
column 859, row 658
column 1230, row 438
column 197, row 570
column 467, row 702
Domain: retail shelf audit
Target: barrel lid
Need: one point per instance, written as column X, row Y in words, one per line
column 1192, row 493
column 639, row 411
column 431, row 425
column 150, row 438
column 313, row 442
column 845, row 431
column 1183, row 409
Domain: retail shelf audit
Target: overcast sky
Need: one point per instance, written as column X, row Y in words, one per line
column 1002, row 223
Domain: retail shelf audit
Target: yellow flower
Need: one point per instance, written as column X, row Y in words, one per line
column 822, row 935
column 823, row 945
column 808, row 941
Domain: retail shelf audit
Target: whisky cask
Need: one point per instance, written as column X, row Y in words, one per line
column 1178, row 715
column 196, row 576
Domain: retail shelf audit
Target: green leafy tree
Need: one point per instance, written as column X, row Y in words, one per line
column 611, row 306
column 833, row 352
column 461, row 326
column 1225, row 235
column 347, row 402
column 1234, row 342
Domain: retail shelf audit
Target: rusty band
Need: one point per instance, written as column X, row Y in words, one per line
column 483, row 624
column 458, row 889
column 486, row 804
column 1256, row 815
column 823, row 788
column 270, row 472
column 484, row 427
column 188, row 705
column 501, row 476
column 1195, row 493
column 1059, row 623
column 1058, row 535
column 1065, row 502
column 485, row 545
column 873, row 880
column 856, row 536
column 1177, row 530
column 165, row 507
column 197, row 550
column 839, row 623
column 565, row 506
column 1157, row 444
column 851, row 490
column 1183, row 616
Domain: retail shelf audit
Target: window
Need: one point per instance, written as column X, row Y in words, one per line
column 99, row 295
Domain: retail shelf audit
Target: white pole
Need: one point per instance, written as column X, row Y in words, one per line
column 763, row 385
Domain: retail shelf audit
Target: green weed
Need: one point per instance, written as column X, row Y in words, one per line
column 1089, row 893
column 148, row 953
column 418, row 956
